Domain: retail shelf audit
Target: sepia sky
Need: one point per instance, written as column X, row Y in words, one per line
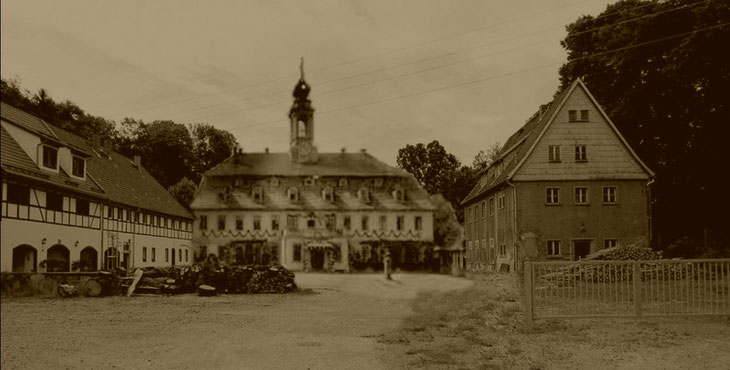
column 467, row 73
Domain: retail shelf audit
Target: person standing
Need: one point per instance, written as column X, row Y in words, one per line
column 387, row 265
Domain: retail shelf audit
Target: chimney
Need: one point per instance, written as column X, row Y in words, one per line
column 343, row 150
column 363, row 151
column 96, row 140
column 267, row 150
column 138, row 161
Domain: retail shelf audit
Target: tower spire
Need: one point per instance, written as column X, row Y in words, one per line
column 301, row 68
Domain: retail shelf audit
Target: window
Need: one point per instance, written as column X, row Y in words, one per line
column 581, row 195
column 502, row 250
column 82, row 206
column 580, row 153
column 378, row 182
column 274, row 181
column 274, row 222
column 329, row 222
column 144, row 254
column 400, row 222
column 257, row 222
column 18, row 194
column 342, row 183
column 383, row 222
column 502, row 201
column 153, row 254
column 54, row 201
column 364, row 222
column 297, row 252
column 364, row 195
column 179, row 255
column 186, row 255
column 126, row 215
column 221, row 222
column 50, row 157
column 292, row 222
column 554, row 153
column 167, row 255
column 419, row 223
column 553, row 247
column 553, row 195
column 398, row 195
column 584, row 115
column 610, row 194
column 78, row 166
column 258, row 194
column 347, row 222
column 327, row 194
column 491, row 206
column 293, row 194
column 610, row 243
column 309, row 181
column 118, row 213
column 239, row 222
column 203, row 222
column 311, row 223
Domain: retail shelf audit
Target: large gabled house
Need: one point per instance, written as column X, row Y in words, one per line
column 75, row 204
column 311, row 211
column 565, row 185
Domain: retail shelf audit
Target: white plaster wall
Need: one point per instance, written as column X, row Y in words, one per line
column 25, row 139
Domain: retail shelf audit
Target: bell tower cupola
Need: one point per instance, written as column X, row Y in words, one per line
column 301, row 117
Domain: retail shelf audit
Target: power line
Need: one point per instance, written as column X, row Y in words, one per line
column 245, row 109
column 372, row 56
column 466, row 83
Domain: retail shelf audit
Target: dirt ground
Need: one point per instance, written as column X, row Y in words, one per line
column 333, row 324
column 483, row 328
column 346, row 322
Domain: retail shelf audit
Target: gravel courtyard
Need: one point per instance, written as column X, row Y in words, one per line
column 333, row 323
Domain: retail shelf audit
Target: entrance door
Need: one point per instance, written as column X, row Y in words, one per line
column 581, row 248
column 317, row 259
column 173, row 256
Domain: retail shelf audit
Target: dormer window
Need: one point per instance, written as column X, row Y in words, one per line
column 378, row 182
column 274, row 181
column 78, row 167
column 258, row 194
column 309, row 181
column 238, row 183
column 342, row 183
column 293, row 194
column 398, row 195
column 327, row 194
column 50, row 157
column 364, row 195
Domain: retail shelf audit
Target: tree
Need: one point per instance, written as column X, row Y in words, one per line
column 484, row 159
column 165, row 147
column 438, row 171
column 668, row 98
column 210, row 147
column 183, row 191
column 447, row 229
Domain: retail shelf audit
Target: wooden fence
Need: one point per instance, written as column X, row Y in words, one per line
column 595, row 289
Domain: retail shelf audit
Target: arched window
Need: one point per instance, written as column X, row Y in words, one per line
column 24, row 258
column 258, row 194
column 364, row 195
column 399, row 195
column 88, row 261
column 342, row 183
column 293, row 194
column 59, row 259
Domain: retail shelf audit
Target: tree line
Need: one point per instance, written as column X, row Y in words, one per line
column 175, row 154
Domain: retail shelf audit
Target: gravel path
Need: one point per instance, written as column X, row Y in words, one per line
column 333, row 325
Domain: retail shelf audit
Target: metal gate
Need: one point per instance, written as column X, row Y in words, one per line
column 594, row 289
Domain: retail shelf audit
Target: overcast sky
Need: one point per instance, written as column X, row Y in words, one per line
column 383, row 73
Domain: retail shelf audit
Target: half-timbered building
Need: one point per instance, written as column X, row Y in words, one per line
column 75, row 204
column 565, row 185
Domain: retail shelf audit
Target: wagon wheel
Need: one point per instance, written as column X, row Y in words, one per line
column 92, row 288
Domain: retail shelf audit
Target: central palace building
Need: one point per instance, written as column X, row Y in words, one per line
column 311, row 211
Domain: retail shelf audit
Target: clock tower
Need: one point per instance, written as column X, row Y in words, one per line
column 301, row 117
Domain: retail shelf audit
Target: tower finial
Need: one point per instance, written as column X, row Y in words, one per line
column 301, row 68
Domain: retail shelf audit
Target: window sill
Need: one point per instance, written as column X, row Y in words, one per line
column 582, row 204
column 581, row 161
column 555, row 257
column 552, row 204
column 555, row 161
column 610, row 204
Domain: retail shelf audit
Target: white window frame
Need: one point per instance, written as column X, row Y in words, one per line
column 615, row 195
column 553, row 153
column 608, row 241
column 550, row 198
column 551, row 250
column 585, row 197
column 501, row 201
column 43, row 157
column 581, row 153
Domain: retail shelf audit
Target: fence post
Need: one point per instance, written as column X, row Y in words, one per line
column 637, row 291
column 528, row 293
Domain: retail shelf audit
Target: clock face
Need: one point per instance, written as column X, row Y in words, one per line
column 304, row 149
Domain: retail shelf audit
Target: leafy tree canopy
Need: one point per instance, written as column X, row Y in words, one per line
column 669, row 99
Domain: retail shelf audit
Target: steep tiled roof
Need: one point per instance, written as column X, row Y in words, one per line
column 119, row 179
column 328, row 164
column 520, row 143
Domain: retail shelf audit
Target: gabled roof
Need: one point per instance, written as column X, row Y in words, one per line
column 523, row 142
column 110, row 175
column 328, row 164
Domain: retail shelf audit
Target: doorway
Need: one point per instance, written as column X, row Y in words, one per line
column 173, row 256
column 581, row 248
column 24, row 258
column 317, row 259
